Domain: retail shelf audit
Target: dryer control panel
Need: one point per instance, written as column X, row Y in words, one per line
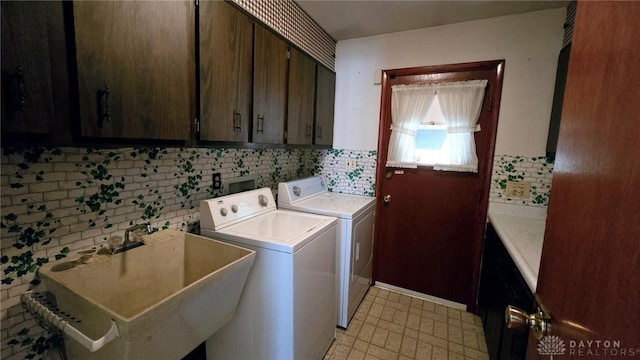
column 223, row 211
column 292, row 191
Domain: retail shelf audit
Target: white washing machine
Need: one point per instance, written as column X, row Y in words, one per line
column 287, row 307
column 356, row 219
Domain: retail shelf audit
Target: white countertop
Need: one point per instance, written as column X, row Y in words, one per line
column 521, row 229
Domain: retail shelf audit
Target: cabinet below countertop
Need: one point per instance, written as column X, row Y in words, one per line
column 521, row 229
column 510, row 262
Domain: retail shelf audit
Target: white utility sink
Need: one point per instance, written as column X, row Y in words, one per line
column 165, row 297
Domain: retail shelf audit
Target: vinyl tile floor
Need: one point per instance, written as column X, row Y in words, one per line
column 389, row 325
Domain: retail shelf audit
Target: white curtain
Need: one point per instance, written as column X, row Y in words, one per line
column 461, row 103
column 409, row 106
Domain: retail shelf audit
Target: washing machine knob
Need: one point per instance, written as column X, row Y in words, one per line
column 296, row 191
column 234, row 208
column 223, row 212
column 262, row 200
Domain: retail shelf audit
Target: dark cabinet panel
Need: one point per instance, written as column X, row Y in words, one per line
column 269, row 87
column 325, row 103
column 558, row 99
column 300, row 105
column 135, row 68
column 29, row 32
column 226, row 50
column 501, row 284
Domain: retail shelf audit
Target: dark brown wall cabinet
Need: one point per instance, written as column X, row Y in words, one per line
column 132, row 75
column 325, row 102
column 501, row 284
column 226, row 51
column 301, row 99
column 558, row 99
column 269, row 87
column 135, row 68
column 31, row 39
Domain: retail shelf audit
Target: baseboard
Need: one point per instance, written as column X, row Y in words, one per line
column 422, row 296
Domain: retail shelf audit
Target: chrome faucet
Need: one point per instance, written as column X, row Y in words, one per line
column 127, row 242
column 131, row 243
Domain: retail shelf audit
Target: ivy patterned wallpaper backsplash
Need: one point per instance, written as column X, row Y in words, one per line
column 536, row 170
column 358, row 181
column 59, row 201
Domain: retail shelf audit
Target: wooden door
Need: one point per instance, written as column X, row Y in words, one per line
column 589, row 277
column 226, row 50
column 301, row 98
column 135, row 68
column 325, row 104
column 27, row 46
column 429, row 235
column 269, row 87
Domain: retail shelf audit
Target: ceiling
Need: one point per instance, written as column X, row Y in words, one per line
column 350, row 19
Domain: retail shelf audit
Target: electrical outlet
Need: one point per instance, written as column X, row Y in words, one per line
column 217, row 181
column 519, row 189
column 350, row 164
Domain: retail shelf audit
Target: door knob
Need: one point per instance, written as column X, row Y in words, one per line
column 387, row 199
column 516, row 318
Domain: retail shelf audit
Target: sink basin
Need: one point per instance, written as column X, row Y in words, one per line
column 165, row 298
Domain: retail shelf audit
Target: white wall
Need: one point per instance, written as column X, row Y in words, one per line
column 529, row 43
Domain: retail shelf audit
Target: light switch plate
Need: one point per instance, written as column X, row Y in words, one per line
column 518, row 189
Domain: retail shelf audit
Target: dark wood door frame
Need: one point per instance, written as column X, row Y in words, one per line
column 430, row 75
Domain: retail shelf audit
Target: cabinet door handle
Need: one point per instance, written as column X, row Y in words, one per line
column 319, row 132
column 20, row 78
column 309, row 130
column 104, row 112
column 260, row 129
column 237, row 122
column 13, row 82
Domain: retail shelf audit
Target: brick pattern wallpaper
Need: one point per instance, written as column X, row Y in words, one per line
column 56, row 201
column 360, row 180
column 536, row 170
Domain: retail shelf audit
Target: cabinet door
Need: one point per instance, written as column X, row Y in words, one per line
column 269, row 87
column 135, row 68
column 27, row 88
column 325, row 100
column 501, row 284
column 226, row 51
column 301, row 99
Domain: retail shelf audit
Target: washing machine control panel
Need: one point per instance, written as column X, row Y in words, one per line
column 230, row 209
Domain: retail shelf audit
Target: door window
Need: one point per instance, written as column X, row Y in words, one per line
column 431, row 136
column 434, row 125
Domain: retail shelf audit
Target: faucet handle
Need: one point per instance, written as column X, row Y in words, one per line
column 146, row 227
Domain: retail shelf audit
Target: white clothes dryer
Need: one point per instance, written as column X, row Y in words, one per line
column 356, row 220
column 287, row 307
